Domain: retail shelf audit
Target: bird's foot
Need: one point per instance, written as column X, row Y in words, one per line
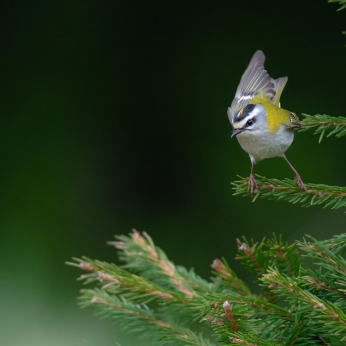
column 252, row 185
column 300, row 183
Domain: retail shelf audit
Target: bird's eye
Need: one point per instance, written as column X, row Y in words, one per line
column 249, row 122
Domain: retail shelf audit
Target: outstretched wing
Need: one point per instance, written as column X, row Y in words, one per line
column 254, row 80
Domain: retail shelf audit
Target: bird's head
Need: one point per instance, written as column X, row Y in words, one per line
column 249, row 120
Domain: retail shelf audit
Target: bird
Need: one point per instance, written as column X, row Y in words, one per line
column 263, row 129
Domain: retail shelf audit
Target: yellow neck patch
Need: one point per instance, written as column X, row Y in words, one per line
column 276, row 116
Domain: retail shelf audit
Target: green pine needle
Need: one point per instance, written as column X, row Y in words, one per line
column 324, row 123
column 287, row 189
column 341, row 2
column 298, row 306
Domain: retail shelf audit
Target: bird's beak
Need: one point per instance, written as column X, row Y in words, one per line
column 236, row 132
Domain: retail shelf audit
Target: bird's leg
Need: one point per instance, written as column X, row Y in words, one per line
column 252, row 181
column 297, row 179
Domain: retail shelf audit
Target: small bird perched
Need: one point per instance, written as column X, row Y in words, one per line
column 263, row 129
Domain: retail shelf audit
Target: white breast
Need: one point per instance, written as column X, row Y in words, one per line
column 265, row 144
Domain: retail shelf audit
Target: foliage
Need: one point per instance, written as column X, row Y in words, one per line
column 287, row 189
column 163, row 303
column 341, row 2
column 324, row 123
column 298, row 306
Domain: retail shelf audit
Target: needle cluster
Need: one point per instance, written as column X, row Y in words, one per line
column 287, row 189
column 168, row 305
column 341, row 2
column 324, row 123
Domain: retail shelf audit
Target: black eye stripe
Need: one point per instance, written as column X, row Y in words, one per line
column 249, row 108
column 243, row 113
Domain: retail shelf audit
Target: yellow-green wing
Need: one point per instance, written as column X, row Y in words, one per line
column 279, row 85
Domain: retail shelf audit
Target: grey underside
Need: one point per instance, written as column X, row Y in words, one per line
column 266, row 145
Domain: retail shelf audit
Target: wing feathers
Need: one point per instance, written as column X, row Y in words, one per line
column 254, row 80
column 279, row 87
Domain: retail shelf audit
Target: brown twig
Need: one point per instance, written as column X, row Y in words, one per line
column 229, row 315
column 310, row 191
column 323, row 285
column 113, row 281
column 249, row 253
column 284, row 257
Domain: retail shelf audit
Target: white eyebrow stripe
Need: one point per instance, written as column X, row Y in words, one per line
column 252, row 115
column 248, row 97
column 245, row 120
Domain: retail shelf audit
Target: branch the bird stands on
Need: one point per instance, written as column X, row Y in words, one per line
column 287, row 189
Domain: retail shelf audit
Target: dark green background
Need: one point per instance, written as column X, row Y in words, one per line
column 113, row 116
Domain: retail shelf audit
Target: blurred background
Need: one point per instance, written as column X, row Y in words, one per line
column 113, row 117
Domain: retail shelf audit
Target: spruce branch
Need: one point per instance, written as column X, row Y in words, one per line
column 251, row 315
column 337, row 244
column 323, row 286
column 140, row 319
column 118, row 280
column 300, row 306
column 296, row 330
column 341, row 2
column 324, row 123
column 333, row 262
column 254, row 259
column 287, row 189
column 323, row 312
column 228, row 277
column 252, row 256
column 259, row 257
column 212, row 307
column 311, row 309
column 286, row 257
column 142, row 256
